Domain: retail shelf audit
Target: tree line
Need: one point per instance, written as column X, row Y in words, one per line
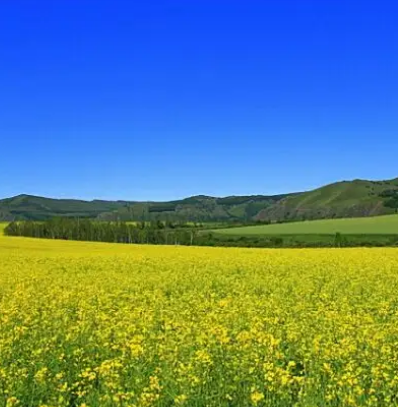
column 157, row 232
column 112, row 232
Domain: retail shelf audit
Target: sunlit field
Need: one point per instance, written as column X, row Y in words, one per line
column 90, row 324
column 370, row 225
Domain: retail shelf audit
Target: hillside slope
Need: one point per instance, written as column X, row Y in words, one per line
column 198, row 208
column 356, row 198
column 39, row 208
column 342, row 199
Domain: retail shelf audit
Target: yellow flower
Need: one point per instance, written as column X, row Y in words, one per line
column 180, row 399
column 128, row 325
column 256, row 396
column 12, row 401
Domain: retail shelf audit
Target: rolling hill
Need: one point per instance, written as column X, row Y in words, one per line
column 358, row 198
column 344, row 199
column 198, row 208
column 38, row 208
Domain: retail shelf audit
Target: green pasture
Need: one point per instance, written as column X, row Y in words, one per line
column 387, row 224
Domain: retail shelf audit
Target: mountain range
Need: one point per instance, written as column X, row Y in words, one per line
column 341, row 199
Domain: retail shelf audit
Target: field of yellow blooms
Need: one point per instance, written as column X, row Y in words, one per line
column 90, row 324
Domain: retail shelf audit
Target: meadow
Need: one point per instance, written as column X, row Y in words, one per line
column 376, row 225
column 96, row 324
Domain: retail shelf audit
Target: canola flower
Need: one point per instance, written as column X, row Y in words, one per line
column 88, row 324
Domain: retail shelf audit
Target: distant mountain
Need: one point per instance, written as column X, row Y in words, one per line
column 39, row 208
column 341, row 199
column 196, row 208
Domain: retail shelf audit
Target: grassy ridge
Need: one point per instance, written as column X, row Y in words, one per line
column 198, row 208
column 372, row 225
column 342, row 199
column 346, row 199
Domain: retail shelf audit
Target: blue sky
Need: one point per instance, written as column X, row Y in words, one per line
column 165, row 99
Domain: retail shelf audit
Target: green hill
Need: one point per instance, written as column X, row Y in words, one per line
column 387, row 224
column 357, row 198
column 197, row 208
column 39, row 208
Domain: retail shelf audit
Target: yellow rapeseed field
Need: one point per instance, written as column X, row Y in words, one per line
column 88, row 324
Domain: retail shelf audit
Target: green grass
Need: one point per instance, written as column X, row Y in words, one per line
column 347, row 199
column 372, row 225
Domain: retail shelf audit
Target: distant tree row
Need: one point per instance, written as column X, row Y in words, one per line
column 171, row 234
column 116, row 232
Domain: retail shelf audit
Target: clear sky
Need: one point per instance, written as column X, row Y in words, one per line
column 161, row 99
